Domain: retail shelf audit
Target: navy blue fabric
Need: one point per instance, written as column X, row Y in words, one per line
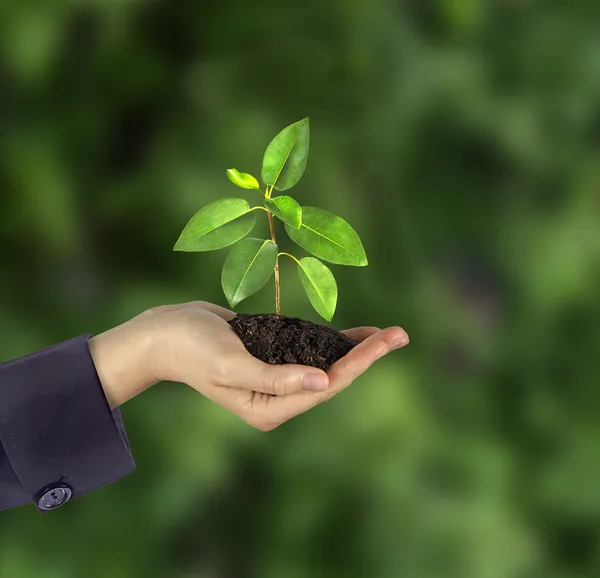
column 56, row 425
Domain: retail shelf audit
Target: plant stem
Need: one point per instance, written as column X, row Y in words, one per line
column 290, row 256
column 277, row 289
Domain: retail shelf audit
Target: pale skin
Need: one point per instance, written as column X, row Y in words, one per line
column 192, row 343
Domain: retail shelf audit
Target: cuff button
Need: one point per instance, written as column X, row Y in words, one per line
column 54, row 497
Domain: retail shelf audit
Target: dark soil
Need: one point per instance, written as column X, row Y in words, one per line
column 277, row 339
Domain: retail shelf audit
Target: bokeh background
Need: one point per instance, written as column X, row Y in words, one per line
column 461, row 139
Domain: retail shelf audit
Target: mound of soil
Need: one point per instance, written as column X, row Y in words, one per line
column 277, row 339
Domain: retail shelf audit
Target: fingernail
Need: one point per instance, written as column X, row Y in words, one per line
column 315, row 382
column 400, row 342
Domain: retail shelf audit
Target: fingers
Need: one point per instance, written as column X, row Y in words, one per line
column 347, row 369
column 360, row 333
column 244, row 376
column 280, row 409
column 246, row 372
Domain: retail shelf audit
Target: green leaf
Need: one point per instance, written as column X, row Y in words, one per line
column 320, row 286
column 328, row 237
column 242, row 180
column 286, row 156
column 286, row 209
column 247, row 268
column 218, row 224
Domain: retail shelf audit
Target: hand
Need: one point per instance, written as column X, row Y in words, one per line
column 193, row 343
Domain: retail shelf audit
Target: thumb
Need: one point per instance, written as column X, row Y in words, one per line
column 247, row 372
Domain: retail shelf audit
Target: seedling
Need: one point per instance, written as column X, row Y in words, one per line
column 252, row 262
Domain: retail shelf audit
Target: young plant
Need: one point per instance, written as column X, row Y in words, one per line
column 252, row 262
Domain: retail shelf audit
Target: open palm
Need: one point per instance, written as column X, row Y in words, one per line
column 214, row 361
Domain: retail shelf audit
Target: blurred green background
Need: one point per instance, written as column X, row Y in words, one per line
column 461, row 138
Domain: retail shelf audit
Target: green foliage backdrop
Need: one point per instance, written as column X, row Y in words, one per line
column 461, row 139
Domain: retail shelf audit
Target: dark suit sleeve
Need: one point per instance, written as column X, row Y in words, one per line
column 59, row 437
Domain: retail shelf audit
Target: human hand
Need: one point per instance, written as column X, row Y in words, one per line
column 193, row 343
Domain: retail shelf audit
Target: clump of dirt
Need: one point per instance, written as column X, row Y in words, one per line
column 277, row 339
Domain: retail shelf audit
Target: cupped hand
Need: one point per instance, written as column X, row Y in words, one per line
column 193, row 343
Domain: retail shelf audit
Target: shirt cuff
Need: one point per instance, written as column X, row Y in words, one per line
column 56, row 426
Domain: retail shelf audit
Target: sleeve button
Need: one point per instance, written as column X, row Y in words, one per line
column 54, row 497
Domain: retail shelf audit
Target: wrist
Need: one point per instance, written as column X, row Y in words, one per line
column 124, row 360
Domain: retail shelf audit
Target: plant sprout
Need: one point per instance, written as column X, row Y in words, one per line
column 252, row 262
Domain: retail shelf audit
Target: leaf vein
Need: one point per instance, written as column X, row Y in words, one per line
column 248, row 268
column 315, row 287
column 222, row 224
column 286, row 159
column 332, row 241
